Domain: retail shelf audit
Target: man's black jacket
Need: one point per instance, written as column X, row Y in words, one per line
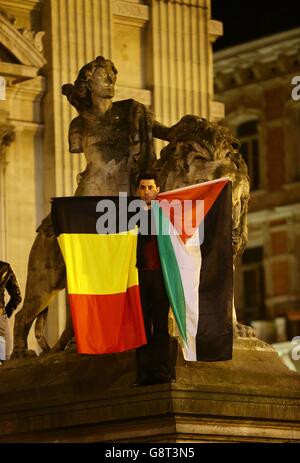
column 9, row 282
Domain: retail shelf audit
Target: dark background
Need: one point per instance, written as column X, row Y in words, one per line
column 245, row 20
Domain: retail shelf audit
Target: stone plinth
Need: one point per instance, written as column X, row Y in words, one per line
column 71, row 398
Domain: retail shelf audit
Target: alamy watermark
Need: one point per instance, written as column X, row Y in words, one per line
column 296, row 89
column 2, row 88
column 295, row 351
column 173, row 217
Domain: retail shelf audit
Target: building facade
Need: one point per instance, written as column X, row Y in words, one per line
column 256, row 83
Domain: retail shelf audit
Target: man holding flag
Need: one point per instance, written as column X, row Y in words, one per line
column 153, row 363
column 182, row 266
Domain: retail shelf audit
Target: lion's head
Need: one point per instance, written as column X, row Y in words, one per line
column 200, row 151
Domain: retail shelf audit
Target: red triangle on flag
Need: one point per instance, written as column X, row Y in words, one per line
column 187, row 207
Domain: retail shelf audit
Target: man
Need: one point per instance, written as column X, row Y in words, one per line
column 9, row 283
column 153, row 363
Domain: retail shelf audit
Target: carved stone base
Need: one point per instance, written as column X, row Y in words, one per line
column 78, row 398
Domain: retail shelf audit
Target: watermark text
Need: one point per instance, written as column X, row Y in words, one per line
column 295, row 351
column 296, row 89
column 174, row 217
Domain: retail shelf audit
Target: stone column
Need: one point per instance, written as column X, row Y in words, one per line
column 76, row 32
column 182, row 64
column 130, row 48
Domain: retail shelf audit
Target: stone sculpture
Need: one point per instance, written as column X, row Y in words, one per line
column 116, row 139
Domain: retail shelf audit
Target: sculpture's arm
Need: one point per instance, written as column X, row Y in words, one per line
column 160, row 131
column 184, row 125
column 75, row 135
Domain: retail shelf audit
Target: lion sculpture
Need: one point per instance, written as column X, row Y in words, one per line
column 200, row 151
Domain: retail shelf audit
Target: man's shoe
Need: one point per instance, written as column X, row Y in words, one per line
column 144, row 380
column 138, row 382
column 161, row 378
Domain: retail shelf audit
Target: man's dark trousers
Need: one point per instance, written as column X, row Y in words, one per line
column 153, row 359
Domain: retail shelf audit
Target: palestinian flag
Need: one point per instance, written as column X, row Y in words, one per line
column 102, row 277
column 196, row 258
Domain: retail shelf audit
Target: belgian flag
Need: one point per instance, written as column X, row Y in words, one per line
column 102, row 277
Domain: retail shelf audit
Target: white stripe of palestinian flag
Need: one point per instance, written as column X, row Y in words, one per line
column 181, row 264
column 188, row 258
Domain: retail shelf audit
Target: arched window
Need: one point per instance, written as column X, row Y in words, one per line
column 253, row 281
column 247, row 132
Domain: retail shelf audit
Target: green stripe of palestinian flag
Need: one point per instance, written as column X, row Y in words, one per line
column 189, row 262
column 171, row 271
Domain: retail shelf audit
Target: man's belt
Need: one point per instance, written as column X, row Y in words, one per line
column 2, row 311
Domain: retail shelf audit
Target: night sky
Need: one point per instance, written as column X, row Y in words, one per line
column 248, row 20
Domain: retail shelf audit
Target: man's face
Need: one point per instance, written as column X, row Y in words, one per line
column 148, row 190
column 102, row 82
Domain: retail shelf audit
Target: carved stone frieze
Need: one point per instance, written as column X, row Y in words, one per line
column 35, row 37
column 131, row 11
column 258, row 61
column 25, row 5
column 20, row 45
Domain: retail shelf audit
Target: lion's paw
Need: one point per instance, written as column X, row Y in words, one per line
column 243, row 331
column 23, row 353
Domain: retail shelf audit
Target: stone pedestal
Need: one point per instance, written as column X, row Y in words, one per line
column 75, row 398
